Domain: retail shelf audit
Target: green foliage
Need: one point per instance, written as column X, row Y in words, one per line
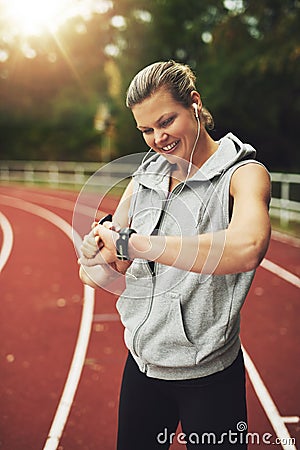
column 245, row 53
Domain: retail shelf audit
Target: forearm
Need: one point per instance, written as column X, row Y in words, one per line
column 222, row 252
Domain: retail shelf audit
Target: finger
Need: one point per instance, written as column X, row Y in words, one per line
column 102, row 257
column 89, row 239
column 89, row 262
column 97, row 230
column 108, row 225
column 90, row 245
column 112, row 226
column 101, row 228
column 89, row 251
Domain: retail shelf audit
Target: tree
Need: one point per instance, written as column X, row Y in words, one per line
column 246, row 55
column 244, row 52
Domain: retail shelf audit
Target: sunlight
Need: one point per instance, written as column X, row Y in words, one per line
column 33, row 17
column 23, row 19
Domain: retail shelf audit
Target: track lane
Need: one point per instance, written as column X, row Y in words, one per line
column 102, row 334
column 39, row 311
column 270, row 333
column 75, row 272
column 85, row 327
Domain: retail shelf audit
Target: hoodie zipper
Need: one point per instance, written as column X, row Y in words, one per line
column 141, row 324
column 153, row 275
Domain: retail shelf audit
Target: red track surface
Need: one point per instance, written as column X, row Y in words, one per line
column 41, row 306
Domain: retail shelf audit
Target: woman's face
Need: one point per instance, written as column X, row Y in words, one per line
column 167, row 126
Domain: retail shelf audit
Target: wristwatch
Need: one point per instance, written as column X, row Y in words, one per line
column 122, row 243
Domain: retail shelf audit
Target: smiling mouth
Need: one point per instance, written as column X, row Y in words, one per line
column 169, row 148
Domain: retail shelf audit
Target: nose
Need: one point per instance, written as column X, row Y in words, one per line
column 160, row 137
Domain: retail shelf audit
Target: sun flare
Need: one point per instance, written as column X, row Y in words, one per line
column 34, row 16
column 23, row 19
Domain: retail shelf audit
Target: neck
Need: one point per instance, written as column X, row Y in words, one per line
column 205, row 148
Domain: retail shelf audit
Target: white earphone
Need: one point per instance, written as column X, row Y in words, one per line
column 195, row 106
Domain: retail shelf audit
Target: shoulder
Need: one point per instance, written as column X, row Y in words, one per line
column 251, row 178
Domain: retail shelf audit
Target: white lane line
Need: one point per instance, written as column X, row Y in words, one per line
column 68, row 205
column 70, row 388
column 291, row 419
column 65, row 403
column 277, row 421
column 8, row 239
column 281, row 272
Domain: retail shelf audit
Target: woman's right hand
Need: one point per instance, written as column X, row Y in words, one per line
column 90, row 245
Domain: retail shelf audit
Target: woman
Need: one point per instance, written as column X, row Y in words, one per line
column 190, row 230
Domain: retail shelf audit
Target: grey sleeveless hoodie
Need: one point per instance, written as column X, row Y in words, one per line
column 180, row 324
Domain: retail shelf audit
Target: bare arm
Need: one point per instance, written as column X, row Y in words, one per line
column 120, row 216
column 239, row 248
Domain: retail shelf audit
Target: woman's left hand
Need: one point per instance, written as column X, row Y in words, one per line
column 107, row 253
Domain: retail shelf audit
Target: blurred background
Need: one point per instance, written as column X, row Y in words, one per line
column 65, row 66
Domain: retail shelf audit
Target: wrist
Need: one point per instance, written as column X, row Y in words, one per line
column 132, row 246
column 139, row 246
column 122, row 243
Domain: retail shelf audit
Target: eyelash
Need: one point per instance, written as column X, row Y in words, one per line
column 164, row 124
column 167, row 122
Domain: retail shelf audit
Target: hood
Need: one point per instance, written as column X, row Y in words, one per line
column 156, row 170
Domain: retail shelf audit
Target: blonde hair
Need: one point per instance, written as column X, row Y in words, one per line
column 176, row 78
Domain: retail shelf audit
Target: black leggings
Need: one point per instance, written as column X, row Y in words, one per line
column 211, row 410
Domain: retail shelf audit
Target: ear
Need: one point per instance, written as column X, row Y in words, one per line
column 196, row 98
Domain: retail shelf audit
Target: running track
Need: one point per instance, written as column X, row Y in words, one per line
column 42, row 303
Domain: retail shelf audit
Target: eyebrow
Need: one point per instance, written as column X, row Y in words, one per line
column 156, row 122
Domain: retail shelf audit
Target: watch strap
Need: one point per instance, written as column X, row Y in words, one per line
column 107, row 218
column 122, row 243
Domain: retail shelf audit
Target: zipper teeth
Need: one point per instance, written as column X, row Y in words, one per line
column 136, row 331
column 153, row 274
